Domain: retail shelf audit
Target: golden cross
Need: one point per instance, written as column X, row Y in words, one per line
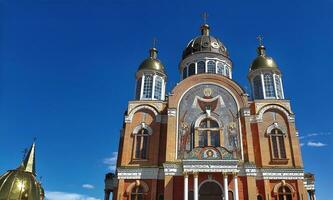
column 204, row 17
column 260, row 39
column 154, row 42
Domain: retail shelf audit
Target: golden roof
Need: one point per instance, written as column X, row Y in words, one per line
column 152, row 63
column 21, row 183
column 263, row 61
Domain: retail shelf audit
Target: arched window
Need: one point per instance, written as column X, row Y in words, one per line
column 269, row 85
column 209, row 133
column 284, row 193
column 147, row 87
column 158, row 88
column 278, row 87
column 227, row 72
column 211, row 69
column 277, row 141
column 259, row 197
column 138, row 88
column 184, row 72
column 201, row 67
column 220, row 68
column 257, row 88
column 191, row 69
column 141, row 144
column 137, row 193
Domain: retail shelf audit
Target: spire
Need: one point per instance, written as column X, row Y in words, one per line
column 261, row 48
column 153, row 51
column 29, row 164
column 205, row 26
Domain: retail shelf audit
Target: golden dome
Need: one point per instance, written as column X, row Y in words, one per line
column 263, row 61
column 152, row 63
column 21, row 183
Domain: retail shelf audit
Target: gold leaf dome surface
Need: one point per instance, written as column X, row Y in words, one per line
column 152, row 63
column 263, row 61
column 20, row 185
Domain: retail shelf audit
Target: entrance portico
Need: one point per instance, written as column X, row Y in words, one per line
column 220, row 190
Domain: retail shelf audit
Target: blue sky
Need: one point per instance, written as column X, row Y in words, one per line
column 67, row 72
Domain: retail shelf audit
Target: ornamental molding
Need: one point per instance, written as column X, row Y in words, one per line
column 245, row 112
column 172, row 112
column 143, row 126
column 277, row 174
column 225, row 166
column 132, row 109
column 138, row 173
column 263, row 109
column 172, row 169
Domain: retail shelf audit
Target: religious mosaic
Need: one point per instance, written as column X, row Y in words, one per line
column 208, row 126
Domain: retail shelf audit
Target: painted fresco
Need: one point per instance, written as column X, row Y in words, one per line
column 213, row 102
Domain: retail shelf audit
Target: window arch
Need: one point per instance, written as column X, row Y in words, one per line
column 147, row 87
column 209, row 133
column 141, row 144
column 278, row 146
column 259, row 197
column 284, row 193
column 269, row 85
column 191, row 69
column 201, row 67
column 211, row 69
column 257, row 88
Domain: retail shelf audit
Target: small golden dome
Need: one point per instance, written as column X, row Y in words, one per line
column 152, row 63
column 263, row 61
column 21, row 183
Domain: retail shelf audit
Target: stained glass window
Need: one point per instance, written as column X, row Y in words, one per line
column 158, row 88
column 278, row 146
column 138, row 88
column 278, row 87
column 147, row 87
column 227, row 72
column 201, row 67
column 137, row 193
column 211, row 67
column 269, row 85
column 284, row 193
column 141, row 144
column 191, row 69
column 257, row 88
column 220, row 68
column 209, row 128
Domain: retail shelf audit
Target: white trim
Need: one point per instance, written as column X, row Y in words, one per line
column 204, row 116
column 130, row 115
column 276, row 93
column 142, row 126
column 142, row 84
column 263, row 85
column 282, row 91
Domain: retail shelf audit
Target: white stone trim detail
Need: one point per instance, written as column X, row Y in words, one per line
column 141, row 126
column 131, row 113
column 172, row 112
column 137, row 173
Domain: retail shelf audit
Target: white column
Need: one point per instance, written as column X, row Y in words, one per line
column 185, row 186
column 142, row 84
column 225, row 183
column 263, row 85
column 196, row 191
column 235, row 187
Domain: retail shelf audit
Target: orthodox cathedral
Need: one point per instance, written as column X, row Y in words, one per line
column 208, row 139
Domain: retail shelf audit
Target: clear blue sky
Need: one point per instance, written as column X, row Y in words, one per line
column 67, row 72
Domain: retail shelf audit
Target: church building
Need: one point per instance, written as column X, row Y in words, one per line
column 207, row 139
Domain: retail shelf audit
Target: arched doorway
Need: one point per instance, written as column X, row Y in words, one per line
column 210, row 190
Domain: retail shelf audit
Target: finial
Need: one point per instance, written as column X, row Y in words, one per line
column 260, row 40
column 28, row 163
column 261, row 48
column 153, row 50
column 205, row 27
column 205, row 17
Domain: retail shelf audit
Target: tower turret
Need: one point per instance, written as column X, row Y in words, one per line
column 151, row 78
column 265, row 76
